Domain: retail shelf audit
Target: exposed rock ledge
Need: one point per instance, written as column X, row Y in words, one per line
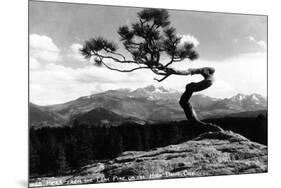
column 219, row 153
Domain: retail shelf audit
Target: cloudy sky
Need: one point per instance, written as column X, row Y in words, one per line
column 235, row 45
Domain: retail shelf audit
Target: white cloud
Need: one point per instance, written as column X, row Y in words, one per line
column 244, row 73
column 189, row 38
column 74, row 52
column 260, row 43
column 57, row 84
column 42, row 42
column 75, row 47
column 251, row 38
column 43, row 48
column 34, row 64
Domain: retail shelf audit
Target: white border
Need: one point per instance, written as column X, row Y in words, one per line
column 14, row 84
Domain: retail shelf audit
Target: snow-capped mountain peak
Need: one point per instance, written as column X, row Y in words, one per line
column 152, row 92
column 238, row 97
column 152, row 88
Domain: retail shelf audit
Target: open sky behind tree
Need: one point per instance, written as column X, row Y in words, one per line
column 234, row 44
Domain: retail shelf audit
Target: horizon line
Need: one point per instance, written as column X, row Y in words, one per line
column 169, row 89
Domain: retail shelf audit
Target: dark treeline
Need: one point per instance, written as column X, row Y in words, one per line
column 58, row 151
column 252, row 128
column 55, row 151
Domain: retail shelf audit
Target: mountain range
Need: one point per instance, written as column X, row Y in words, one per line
column 143, row 105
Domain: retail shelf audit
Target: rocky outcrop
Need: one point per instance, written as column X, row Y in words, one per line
column 212, row 153
column 219, row 153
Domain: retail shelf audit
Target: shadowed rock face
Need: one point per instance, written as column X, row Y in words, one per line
column 220, row 153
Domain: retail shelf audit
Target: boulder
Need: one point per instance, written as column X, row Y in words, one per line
column 209, row 154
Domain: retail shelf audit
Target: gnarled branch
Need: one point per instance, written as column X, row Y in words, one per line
column 146, row 40
column 160, row 80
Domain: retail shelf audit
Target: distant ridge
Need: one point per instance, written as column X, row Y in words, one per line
column 149, row 104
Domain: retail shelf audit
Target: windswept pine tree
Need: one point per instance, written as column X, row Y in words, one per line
column 153, row 44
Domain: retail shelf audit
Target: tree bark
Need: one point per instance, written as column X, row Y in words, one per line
column 190, row 88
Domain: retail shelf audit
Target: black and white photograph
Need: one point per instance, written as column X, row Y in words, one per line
column 123, row 93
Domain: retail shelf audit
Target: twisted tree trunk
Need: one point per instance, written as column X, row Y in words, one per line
column 190, row 88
